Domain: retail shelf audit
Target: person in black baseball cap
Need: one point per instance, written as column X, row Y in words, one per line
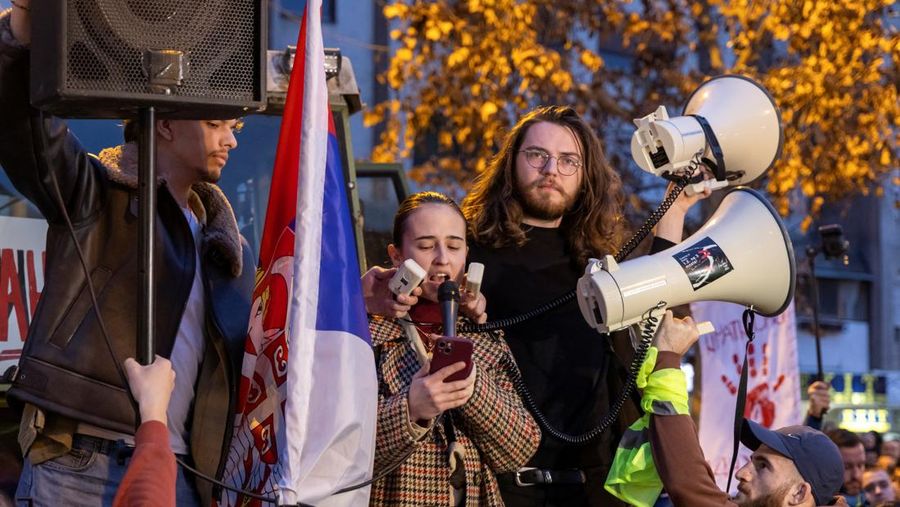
column 795, row 466
column 788, row 465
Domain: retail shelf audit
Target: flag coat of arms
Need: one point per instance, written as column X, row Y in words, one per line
column 305, row 420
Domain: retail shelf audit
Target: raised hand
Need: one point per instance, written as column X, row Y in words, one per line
column 379, row 298
column 671, row 225
column 20, row 21
column 473, row 306
column 151, row 386
column 676, row 335
column 819, row 399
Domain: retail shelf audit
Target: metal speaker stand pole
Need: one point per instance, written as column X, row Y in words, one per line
column 146, row 328
column 814, row 296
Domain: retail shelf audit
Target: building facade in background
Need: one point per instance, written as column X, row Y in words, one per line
column 859, row 313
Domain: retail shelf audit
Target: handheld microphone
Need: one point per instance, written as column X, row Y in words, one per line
column 448, row 295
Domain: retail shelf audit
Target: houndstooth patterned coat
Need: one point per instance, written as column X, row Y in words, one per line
column 497, row 432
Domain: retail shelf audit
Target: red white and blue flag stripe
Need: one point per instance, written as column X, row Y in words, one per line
column 305, row 421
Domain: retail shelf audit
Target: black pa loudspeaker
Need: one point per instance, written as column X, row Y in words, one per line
column 191, row 59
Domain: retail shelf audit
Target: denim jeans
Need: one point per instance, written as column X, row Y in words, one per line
column 85, row 478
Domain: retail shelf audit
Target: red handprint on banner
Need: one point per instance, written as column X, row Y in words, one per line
column 759, row 405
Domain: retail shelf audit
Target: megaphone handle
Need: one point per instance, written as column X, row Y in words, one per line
column 698, row 188
column 705, row 327
column 635, row 330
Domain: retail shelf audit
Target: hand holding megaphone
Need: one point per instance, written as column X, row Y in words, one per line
column 670, row 333
column 730, row 124
column 743, row 254
column 706, row 186
column 676, row 335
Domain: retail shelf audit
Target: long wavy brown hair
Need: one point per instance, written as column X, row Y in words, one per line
column 594, row 225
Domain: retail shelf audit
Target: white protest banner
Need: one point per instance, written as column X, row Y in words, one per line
column 773, row 380
column 22, row 251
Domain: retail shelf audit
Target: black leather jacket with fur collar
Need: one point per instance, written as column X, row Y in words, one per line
column 66, row 366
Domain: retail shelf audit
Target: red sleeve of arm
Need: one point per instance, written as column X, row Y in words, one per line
column 679, row 460
column 150, row 478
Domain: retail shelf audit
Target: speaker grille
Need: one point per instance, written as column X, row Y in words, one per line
column 106, row 41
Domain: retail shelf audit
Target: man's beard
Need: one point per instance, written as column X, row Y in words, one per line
column 543, row 208
column 210, row 175
column 854, row 490
column 773, row 499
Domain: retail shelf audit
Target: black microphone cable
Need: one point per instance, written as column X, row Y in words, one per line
column 649, row 326
column 57, row 194
column 256, row 496
column 381, row 475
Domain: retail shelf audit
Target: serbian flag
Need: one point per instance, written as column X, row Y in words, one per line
column 305, row 421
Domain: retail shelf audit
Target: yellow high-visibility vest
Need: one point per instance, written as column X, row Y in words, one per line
column 633, row 477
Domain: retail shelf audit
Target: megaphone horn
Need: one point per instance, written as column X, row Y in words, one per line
column 730, row 122
column 743, row 255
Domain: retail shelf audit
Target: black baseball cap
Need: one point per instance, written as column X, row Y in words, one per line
column 814, row 454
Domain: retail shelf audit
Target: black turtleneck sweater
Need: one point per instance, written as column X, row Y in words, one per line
column 566, row 364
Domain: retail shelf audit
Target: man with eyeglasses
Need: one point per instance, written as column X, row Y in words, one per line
column 549, row 201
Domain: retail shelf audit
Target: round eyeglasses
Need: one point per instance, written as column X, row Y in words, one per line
column 566, row 165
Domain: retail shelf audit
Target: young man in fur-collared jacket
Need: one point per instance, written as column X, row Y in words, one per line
column 78, row 420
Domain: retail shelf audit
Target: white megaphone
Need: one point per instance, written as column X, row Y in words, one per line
column 743, row 255
column 730, row 123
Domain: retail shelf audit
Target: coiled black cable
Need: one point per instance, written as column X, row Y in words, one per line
column 647, row 227
column 518, row 319
column 647, row 334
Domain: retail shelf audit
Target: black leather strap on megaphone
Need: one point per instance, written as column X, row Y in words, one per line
column 741, row 402
column 718, row 166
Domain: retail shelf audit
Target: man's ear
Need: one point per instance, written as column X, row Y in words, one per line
column 394, row 254
column 164, row 129
column 800, row 494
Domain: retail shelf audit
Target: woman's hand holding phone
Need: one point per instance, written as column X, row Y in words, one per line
column 429, row 395
column 449, row 350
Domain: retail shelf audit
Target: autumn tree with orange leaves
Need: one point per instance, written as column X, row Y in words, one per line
column 461, row 72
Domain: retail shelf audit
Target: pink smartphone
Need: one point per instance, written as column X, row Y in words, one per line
column 449, row 350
